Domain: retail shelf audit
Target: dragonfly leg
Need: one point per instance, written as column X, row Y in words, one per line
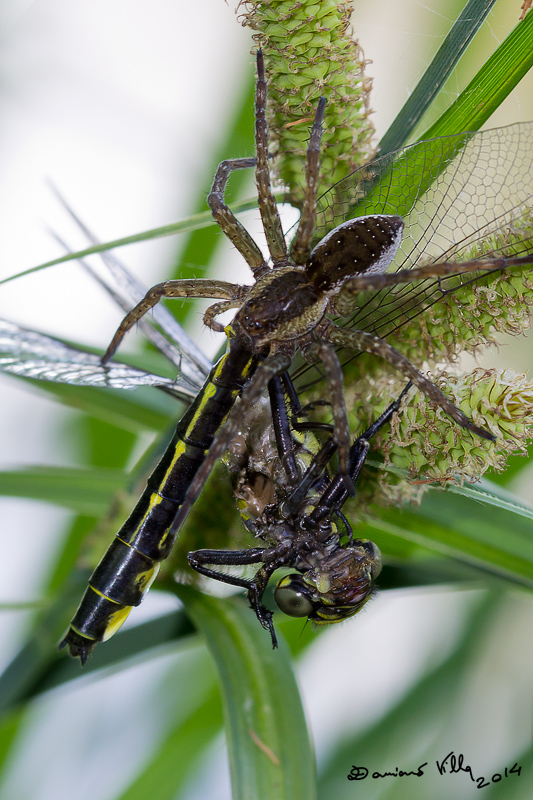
column 197, row 287
column 368, row 343
column 348, row 527
column 298, row 411
column 198, row 559
column 234, row 558
column 282, row 431
column 385, row 417
column 336, row 494
column 316, row 471
column 337, row 491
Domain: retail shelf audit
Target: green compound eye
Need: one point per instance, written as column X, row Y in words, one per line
column 375, row 557
column 292, row 596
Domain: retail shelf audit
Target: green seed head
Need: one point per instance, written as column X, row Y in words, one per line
column 310, row 52
column 423, row 446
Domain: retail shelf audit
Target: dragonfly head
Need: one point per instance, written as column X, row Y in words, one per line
column 334, row 589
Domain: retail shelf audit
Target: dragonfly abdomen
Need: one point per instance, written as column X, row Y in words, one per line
column 131, row 562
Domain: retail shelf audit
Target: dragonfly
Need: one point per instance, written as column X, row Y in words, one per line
column 267, row 330
column 302, row 525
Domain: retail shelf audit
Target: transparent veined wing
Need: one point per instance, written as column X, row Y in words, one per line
column 171, row 339
column 461, row 197
column 30, row 354
column 451, row 191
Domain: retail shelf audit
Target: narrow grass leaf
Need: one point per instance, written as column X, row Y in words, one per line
column 269, row 748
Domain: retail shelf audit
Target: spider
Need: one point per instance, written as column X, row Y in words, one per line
column 287, row 309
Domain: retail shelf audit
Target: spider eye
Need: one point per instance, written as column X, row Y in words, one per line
column 292, row 596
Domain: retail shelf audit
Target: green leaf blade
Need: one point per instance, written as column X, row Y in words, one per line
column 269, row 748
column 473, row 525
column 491, row 85
column 449, row 53
column 87, row 491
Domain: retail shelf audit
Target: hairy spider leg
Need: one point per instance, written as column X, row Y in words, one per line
column 268, row 208
column 367, row 342
column 231, row 293
column 442, row 269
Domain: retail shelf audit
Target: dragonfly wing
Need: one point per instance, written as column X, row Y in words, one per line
column 173, row 342
column 451, row 192
column 31, row 354
column 461, row 197
column 127, row 291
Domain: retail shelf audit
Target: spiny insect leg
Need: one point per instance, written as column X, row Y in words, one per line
column 226, row 219
column 282, row 431
column 198, row 559
column 335, row 495
column 301, row 246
